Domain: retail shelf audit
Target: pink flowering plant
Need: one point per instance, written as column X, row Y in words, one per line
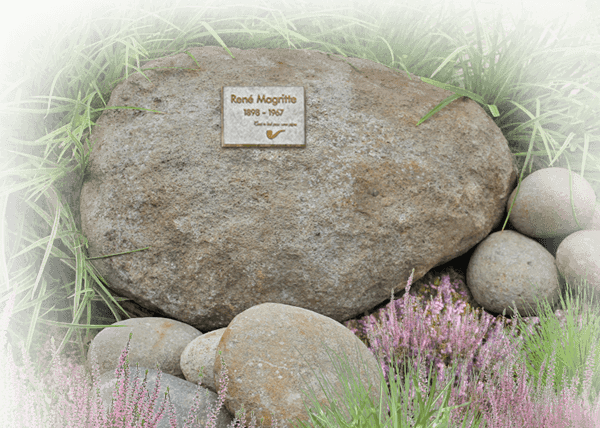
column 460, row 339
column 404, row 405
column 67, row 403
column 446, row 366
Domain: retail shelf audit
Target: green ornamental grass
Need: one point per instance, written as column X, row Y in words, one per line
column 539, row 85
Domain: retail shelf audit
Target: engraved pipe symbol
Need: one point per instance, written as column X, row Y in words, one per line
column 270, row 134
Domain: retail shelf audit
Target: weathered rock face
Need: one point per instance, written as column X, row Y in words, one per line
column 274, row 352
column 331, row 227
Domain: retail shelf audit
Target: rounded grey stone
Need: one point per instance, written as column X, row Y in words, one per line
column 578, row 258
column 510, row 270
column 543, row 208
column 181, row 395
column 154, row 340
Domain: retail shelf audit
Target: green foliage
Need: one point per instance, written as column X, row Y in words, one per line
column 50, row 104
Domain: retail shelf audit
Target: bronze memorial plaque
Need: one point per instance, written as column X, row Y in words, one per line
column 263, row 116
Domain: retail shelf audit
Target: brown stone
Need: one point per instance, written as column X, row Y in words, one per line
column 332, row 227
column 276, row 354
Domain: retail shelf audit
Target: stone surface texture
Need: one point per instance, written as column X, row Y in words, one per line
column 155, row 341
column 509, row 270
column 331, row 227
column 270, row 352
column 543, row 206
column 578, row 258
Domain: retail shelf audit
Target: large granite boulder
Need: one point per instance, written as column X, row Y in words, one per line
column 331, row 227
